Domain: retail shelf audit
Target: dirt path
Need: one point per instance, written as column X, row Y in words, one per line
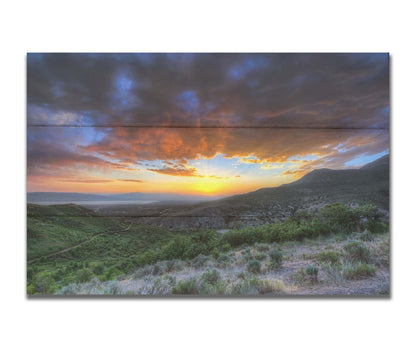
column 78, row 244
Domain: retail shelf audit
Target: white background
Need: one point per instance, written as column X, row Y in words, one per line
column 210, row 26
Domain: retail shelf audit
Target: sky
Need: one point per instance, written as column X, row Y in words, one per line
column 205, row 124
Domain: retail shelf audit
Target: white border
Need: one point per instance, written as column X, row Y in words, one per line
column 214, row 26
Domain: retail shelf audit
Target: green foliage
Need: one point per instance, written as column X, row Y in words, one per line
column 84, row 275
column 200, row 260
column 276, row 258
column 30, row 289
column 353, row 271
column 312, row 272
column 260, row 256
column 329, row 257
column 340, row 218
column 109, row 253
column 43, row 283
column 370, row 218
column 189, row 286
column 226, row 247
column 211, row 276
column 254, row 266
column 356, row 251
column 223, row 260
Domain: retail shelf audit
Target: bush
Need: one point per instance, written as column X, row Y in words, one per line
column 329, row 257
column 30, row 289
column 84, row 275
column 226, row 247
column 189, row 286
column 357, row 271
column 312, row 272
column 262, row 247
column 43, row 284
column 223, row 260
column 200, row 261
column 276, row 258
column 211, row 276
column 98, row 269
column 370, row 216
column 254, row 266
column 340, row 218
column 174, row 265
column 260, row 256
column 356, row 251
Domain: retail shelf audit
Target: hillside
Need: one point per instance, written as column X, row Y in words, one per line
column 331, row 266
column 343, row 244
column 369, row 184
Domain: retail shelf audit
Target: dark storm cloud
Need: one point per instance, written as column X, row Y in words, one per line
column 245, row 97
column 288, row 90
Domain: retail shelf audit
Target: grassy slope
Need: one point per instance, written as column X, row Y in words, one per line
column 111, row 254
column 337, row 273
column 53, row 228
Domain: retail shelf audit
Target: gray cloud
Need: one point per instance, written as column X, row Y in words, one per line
column 288, row 90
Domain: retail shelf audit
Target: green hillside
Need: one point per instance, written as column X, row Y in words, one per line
column 66, row 242
column 53, row 228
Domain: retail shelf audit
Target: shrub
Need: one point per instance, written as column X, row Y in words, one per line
column 223, row 260
column 356, row 251
column 174, row 265
column 110, row 274
column 84, row 275
column 262, row 247
column 187, row 287
column 44, row 284
column 276, row 258
column 299, row 276
column 340, row 217
column 312, row 272
column 329, row 257
column 200, row 261
column 98, row 269
column 254, row 266
column 357, row 271
column 371, row 216
column 30, row 289
column 260, row 256
column 211, row 276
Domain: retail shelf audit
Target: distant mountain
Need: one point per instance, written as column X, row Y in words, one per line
column 369, row 184
column 52, row 197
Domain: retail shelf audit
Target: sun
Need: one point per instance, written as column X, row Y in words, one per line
column 208, row 185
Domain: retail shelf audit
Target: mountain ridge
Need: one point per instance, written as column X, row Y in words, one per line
column 366, row 185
